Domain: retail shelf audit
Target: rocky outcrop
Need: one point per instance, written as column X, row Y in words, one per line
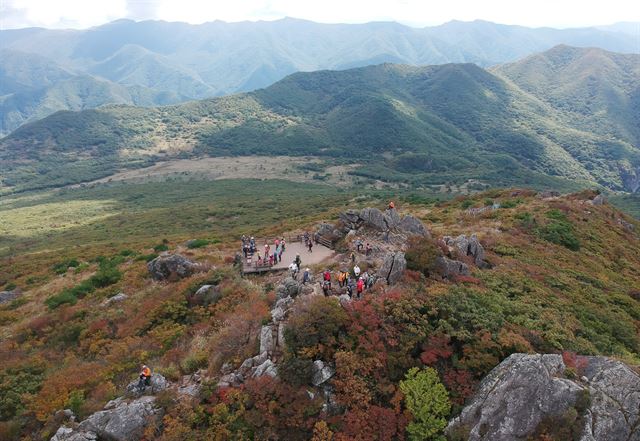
column 467, row 246
column 158, row 384
column 599, row 200
column 449, row 269
column 205, row 295
column 120, row 297
column 393, row 267
column 387, row 221
column 9, row 296
column 288, row 288
column 171, row 267
column 321, row 372
column 120, row 420
column 526, row 392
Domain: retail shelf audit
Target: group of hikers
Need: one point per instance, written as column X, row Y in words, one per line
column 355, row 281
column 250, row 250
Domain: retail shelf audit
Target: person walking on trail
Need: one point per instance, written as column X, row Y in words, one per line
column 341, row 278
column 267, row 248
column 326, row 286
column 360, row 287
column 306, row 238
column 298, row 261
column 277, row 243
column 305, row 276
column 356, row 271
column 294, row 269
column 367, row 249
column 358, row 245
column 259, row 258
column 310, row 245
column 327, row 277
column 280, row 252
column 351, row 286
column 282, row 242
column 353, row 257
column 145, row 377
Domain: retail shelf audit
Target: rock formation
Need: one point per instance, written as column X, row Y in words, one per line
column 526, row 392
column 393, row 267
column 8, row 296
column 467, row 246
column 171, row 267
column 120, row 420
column 449, row 269
column 387, row 221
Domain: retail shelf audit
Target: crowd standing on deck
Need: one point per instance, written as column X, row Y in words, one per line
column 354, row 281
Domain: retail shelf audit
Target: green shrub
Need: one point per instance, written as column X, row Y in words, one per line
column 559, row 231
column 61, row 267
column 428, row 402
column 16, row 382
column 160, row 248
column 193, row 362
column 421, row 256
column 10, row 286
column 75, row 401
column 198, row 243
column 60, row 299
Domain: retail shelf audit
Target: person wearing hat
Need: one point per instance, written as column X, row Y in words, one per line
column 305, row 276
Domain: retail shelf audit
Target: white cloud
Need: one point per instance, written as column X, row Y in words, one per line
column 83, row 13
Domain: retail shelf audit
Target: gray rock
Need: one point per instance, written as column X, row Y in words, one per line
column 158, row 384
column 267, row 342
column 526, row 390
column 628, row 226
column 226, row 368
column 281, row 309
column 233, row 379
column 288, row 288
column 124, row 422
column 268, row 368
column 599, row 200
column 281, row 340
column 344, row 299
column 120, row 297
column 171, row 267
column 393, row 267
column 373, row 218
column 467, row 246
column 68, row 434
column 448, row 268
column 321, row 372
column 205, row 295
column 391, row 218
column 412, row 226
column 8, row 296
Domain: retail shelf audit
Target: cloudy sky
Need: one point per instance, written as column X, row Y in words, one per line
column 86, row 13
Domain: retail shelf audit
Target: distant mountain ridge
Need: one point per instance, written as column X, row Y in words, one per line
column 416, row 125
column 175, row 62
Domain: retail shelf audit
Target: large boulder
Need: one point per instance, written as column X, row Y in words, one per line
column 393, row 267
column 373, row 218
column 391, row 218
column 449, row 269
column 288, row 288
column 321, row 372
column 467, row 246
column 527, row 392
column 267, row 340
column 413, row 226
column 281, row 308
column 205, row 295
column 120, row 420
column 171, row 267
column 8, row 296
column 120, row 297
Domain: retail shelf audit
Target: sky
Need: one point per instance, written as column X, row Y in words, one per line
column 534, row 13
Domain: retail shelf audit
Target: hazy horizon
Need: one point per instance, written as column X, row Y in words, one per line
column 78, row 14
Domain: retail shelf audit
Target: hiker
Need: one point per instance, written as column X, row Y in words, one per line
column 252, row 242
column 305, row 276
column 360, row 287
column 310, row 245
column 277, row 243
column 370, row 281
column 341, row 278
column 306, row 238
column 282, row 243
column 271, row 259
column 267, row 248
column 244, row 240
column 358, row 245
column 368, row 249
column 392, row 205
column 353, row 257
column 280, row 252
column 259, row 259
column 245, row 250
column 145, row 377
column 327, row 277
column 351, row 286
column 326, row 286
column 294, row 269
column 298, row 261
column 356, row 271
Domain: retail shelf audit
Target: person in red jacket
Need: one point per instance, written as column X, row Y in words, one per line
column 360, row 287
column 327, row 277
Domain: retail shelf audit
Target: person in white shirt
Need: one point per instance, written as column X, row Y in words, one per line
column 356, row 271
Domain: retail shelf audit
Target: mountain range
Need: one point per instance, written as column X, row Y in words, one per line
column 519, row 123
column 157, row 63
